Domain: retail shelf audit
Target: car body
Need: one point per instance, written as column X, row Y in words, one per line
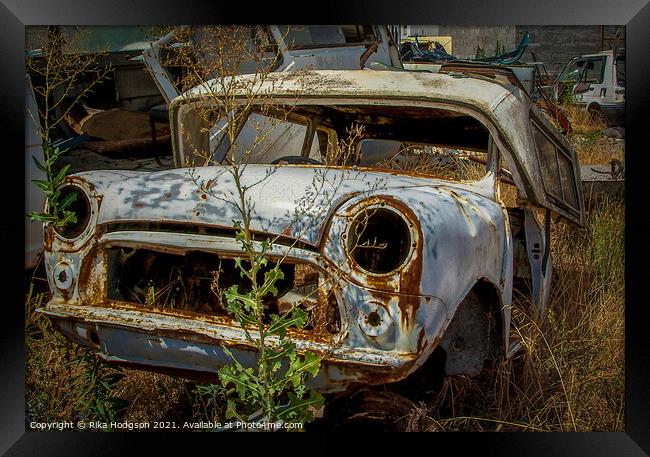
column 405, row 262
column 597, row 82
column 319, row 47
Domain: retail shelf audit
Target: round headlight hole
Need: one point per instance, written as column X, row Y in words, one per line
column 379, row 240
column 374, row 319
column 80, row 206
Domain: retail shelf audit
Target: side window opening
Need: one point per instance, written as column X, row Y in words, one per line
column 594, row 71
column 572, row 71
column 358, row 33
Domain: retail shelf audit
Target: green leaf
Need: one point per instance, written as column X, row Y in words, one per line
column 237, row 300
column 270, row 278
column 45, row 186
column 231, row 375
column 55, row 154
column 68, row 217
column 231, row 411
column 243, row 272
column 300, row 409
column 60, row 176
column 300, row 390
column 42, row 217
column 280, row 323
column 275, row 357
column 39, row 165
column 309, row 363
column 68, row 200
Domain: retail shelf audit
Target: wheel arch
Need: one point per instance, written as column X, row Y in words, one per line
column 476, row 331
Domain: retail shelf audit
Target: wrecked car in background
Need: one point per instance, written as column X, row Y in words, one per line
column 596, row 82
column 414, row 245
column 288, row 47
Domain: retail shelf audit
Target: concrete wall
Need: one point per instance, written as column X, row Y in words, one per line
column 554, row 45
column 466, row 39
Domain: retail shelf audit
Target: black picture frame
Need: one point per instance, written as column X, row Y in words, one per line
column 634, row 14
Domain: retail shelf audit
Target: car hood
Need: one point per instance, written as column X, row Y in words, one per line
column 293, row 200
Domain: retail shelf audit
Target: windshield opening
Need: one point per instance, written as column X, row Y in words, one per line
column 437, row 142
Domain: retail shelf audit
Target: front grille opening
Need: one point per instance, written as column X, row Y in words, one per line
column 195, row 282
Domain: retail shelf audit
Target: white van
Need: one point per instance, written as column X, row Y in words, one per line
column 595, row 81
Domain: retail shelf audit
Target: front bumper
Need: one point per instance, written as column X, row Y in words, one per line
column 136, row 337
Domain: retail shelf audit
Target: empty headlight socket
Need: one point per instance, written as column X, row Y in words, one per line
column 378, row 240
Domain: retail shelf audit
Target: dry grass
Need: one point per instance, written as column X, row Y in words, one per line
column 587, row 137
column 597, row 149
column 153, row 396
column 52, row 393
column 47, row 364
column 437, row 162
column 583, row 121
column 571, row 375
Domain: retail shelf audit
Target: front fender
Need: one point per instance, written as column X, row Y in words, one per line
column 459, row 238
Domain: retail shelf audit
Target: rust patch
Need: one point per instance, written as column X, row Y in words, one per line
column 403, row 283
column 48, row 237
column 420, row 340
column 411, row 276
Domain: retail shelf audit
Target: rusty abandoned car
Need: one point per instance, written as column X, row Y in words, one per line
column 411, row 244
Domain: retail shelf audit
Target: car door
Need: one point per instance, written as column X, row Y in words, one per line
column 560, row 173
column 591, row 86
column 567, row 79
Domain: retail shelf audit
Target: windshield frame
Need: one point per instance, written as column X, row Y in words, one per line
column 206, row 101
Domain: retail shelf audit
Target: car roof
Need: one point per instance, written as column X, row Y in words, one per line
column 374, row 84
